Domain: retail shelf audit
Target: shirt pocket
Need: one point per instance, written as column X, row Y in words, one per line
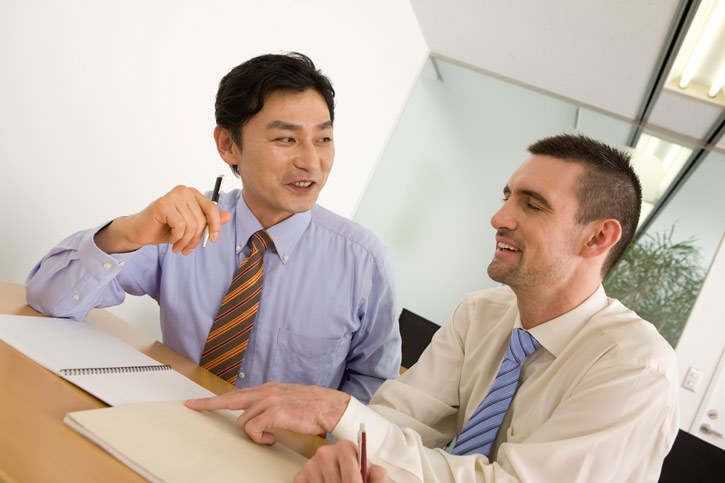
column 302, row 359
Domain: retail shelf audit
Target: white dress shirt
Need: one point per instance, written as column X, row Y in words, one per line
column 598, row 402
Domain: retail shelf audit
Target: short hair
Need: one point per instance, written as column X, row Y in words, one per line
column 609, row 188
column 244, row 90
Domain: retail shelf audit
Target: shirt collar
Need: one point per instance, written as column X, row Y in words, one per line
column 556, row 333
column 284, row 234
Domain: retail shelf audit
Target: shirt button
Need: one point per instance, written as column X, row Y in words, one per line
column 241, row 375
column 285, row 258
column 239, row 247
column 120, row 264
column 106, row 265
column 76, row 297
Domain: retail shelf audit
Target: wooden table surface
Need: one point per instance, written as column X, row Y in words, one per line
column 35, row 445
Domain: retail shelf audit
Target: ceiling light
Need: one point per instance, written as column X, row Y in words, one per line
column 703, row 43
column 651, row 145
column 717, row 85
column 671, row 155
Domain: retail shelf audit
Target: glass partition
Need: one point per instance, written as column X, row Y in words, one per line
column 459, row 138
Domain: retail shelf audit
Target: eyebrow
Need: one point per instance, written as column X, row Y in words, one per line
column 532, row 194
column 288, row 126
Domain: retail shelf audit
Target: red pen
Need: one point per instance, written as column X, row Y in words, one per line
column 362, row 456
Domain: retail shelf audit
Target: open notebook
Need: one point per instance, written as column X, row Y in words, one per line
column 169, row 442
column 96, row 361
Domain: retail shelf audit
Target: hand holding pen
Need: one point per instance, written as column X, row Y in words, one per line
column 180, row 218
column 339, row 462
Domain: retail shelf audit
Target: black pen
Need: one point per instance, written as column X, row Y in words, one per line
column 214, row 199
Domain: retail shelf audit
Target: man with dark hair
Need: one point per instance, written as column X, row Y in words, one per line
column 289, row 291
column 545, row 379
column 609, row 189
column 244, row 89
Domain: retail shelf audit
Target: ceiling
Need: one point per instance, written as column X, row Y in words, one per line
column 609, row 55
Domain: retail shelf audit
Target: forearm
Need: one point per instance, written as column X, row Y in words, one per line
column 73, row 278
column 112, row 237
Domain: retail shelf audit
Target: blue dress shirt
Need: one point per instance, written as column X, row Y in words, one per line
column 326, row 317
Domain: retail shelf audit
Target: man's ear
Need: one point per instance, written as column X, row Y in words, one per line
column 225, row 145
column 603, row 235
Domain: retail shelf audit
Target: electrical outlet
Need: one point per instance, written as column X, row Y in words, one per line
column 692, row 379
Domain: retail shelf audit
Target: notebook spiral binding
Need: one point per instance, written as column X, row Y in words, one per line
column 86, row 371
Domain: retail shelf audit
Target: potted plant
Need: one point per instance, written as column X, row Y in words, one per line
column 659, row 279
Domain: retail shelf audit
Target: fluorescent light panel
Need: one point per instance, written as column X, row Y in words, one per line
column 717, row 85
column 703, row 44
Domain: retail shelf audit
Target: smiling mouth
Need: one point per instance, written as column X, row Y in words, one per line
column 506, row 247
column 302, row 184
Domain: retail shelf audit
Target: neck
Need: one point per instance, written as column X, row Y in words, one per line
column 265, row 217
column 540, row 307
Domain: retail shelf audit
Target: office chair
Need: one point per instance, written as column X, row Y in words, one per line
column 693, row 460
column 415, row 333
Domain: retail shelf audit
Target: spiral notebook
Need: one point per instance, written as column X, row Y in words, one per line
column 96, row 361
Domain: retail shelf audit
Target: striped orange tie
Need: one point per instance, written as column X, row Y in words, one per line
column 229, row 334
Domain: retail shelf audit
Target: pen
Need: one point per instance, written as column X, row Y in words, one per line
column 362, row 456
column 214, row 198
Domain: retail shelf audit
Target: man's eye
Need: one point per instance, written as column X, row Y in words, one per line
column 326, row 139
column 286, row 139
column 532, row 206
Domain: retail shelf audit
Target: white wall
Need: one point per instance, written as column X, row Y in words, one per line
column 107, row 105
column 703, row 340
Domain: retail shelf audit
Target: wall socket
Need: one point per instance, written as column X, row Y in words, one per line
column 692, row 379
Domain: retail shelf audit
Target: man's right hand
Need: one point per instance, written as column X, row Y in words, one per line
column 178, row 218
column 338, row 463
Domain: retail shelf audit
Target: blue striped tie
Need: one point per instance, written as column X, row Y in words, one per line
column 480, row 431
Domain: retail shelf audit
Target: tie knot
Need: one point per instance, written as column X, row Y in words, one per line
column 521, row 344
column 261, row 241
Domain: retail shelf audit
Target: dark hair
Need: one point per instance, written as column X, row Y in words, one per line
column 608, row 189
column 244, row 90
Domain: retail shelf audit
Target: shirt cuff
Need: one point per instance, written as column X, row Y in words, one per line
column 376, row 426
column 96, row 262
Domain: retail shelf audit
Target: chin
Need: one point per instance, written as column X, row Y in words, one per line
column 496, row 278
column 493, row 272
column 498, row 275
column 300, row 207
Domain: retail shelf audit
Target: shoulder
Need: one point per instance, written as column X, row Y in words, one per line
column 490, row 300
column 484, row 309
column 338, row 229
column 625, row 338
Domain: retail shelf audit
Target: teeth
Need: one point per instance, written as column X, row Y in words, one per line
column 302, row 184
column 504, row 246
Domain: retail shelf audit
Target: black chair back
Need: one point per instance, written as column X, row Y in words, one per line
column 693, row 460
column 415, row 333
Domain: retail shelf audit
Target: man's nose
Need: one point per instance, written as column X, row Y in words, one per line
column 307, row 156
column 504, row 217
